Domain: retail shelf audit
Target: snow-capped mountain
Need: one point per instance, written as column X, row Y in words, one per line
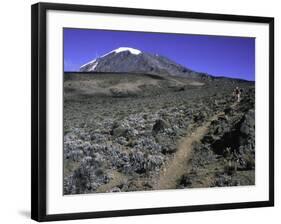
column 130, row 60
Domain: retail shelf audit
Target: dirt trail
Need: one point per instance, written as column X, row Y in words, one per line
column 177, row 166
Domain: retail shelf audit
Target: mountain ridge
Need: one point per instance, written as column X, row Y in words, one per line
column 131, row 60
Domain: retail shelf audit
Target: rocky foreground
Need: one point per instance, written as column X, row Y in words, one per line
column 121, row 133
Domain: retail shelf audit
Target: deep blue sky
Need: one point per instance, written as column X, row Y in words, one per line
column 215, row 55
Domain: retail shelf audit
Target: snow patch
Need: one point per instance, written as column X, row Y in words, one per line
column 132, row 50
column 121, row 49
column 90, row 62
column 93, row 66
column 118, row 50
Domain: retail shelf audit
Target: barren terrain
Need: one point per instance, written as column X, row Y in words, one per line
column 131, row 132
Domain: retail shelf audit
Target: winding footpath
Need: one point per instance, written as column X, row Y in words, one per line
column 177, row 166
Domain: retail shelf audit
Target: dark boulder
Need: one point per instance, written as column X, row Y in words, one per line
column 228, row 110
column 169, row 149
column 200, row 116
column 186, row 181
column 160, row 125
column 120, row 131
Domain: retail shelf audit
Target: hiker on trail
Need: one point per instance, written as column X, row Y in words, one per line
column 237, row 93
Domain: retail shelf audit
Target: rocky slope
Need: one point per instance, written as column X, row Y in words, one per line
column 130, row 60
column 121, row 131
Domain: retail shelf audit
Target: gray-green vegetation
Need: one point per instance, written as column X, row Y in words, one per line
column 125, row 132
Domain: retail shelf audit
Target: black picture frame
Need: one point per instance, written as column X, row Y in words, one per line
column 38, row 108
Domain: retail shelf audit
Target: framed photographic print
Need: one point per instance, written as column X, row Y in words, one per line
column 139, row 111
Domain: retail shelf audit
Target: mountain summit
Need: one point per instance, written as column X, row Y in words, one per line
column 130, row 60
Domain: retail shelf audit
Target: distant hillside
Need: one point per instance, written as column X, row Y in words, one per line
column 130, row 60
